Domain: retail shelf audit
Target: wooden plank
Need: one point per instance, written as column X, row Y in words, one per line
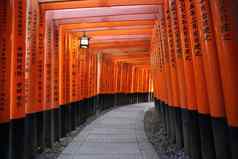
column 124, row 44
column 93, row 34
column 96, row 3
column 114, row 18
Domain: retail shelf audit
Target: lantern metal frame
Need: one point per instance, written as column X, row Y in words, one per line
column 84, row 41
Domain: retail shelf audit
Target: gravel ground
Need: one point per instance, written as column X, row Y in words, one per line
column 156, row 134
column 58, row 147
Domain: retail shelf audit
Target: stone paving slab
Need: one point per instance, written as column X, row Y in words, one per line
column 121, row 156
column 116, row 126
column 118, row 134
column 109, row 148
column 119, row 114
column 116, row 138
column 66, row 156
column 111, row 131
column 72, row 148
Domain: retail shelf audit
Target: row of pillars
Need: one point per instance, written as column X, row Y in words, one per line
column 200, row 135
column 27, row 137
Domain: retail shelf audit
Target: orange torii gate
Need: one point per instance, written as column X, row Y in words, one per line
column 188, row 57
column 185, row 49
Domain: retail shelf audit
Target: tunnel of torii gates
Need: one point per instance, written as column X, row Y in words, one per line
column 181, row 53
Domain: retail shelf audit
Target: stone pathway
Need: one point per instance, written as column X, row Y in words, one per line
column 118, row 134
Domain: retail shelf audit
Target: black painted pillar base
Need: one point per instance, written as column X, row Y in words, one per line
column 98, row 105
column 155, row 103
column 80, row 113
column 80, row 105
column 127, row 99
column 135, row 98
column 84, row 111
column 124, row 99
column 194, row 135
column 77, row 114
column 161, row 106
column 5, row 140
column 40, row 132
column 121, row 99
column 168, row 123
column 72, row 116
column 18, row 139
column 68, row 118
column 48, row 128
column 116, row 99
column 131, row 99
column 95, row 104
column 108, row 101
column 206, row 136
column 63, row 120
column 172, row 120
column 89, row 108
column 234, row 142
column 105, row 102
column 179, row 128
column 186, row 133
column 140, row 97
column 57, row 124
column 146, row 97
column 100, row 98
column 122, row 102
column 220, row 133
column 31, row 135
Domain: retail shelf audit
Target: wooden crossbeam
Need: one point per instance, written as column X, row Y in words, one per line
column 96, row 3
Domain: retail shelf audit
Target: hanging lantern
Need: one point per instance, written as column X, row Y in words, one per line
column 84, row 41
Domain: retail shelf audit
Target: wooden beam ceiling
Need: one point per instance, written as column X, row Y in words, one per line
column 104, row 11
column 111, row 24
